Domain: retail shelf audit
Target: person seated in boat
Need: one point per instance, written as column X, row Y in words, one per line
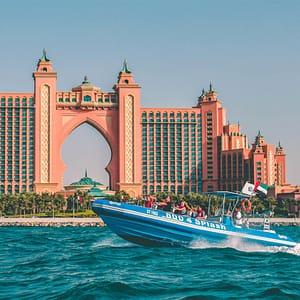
column 161, row 204
column 168, row 205
column 149, row 202
column 165, row 204
column 182, row 208
column 193, row 212
column 200, row 213
column 237, row 217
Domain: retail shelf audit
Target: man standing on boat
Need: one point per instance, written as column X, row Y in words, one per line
column 237, row 217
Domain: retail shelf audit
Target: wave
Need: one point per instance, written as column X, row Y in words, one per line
column 112, row 241
column 238, row 244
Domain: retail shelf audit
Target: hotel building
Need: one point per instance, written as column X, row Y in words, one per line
column 180, row 150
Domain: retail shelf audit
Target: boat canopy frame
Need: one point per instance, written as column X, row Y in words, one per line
column 226, row 195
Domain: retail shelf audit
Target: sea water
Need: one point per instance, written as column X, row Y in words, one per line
column 93, row 263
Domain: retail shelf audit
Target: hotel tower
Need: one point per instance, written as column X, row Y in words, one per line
column 179, row 150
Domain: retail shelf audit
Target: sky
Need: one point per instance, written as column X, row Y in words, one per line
column 248, row 49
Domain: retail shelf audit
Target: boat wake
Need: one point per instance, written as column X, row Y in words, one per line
column 113, row 242
column 243, row 246
column 294, row 251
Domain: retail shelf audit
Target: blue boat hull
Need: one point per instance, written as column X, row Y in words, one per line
column 150, row 227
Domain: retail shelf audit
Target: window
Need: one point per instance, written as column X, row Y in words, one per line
column 87, row 98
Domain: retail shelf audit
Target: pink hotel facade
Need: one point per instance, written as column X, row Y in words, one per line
column 180, row 150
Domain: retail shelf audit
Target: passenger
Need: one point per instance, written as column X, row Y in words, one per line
column 200, row 213
column 168, row 205
column 161, row 205
column 189, row 209
column 237, row 217
column 182, row 208
column 165, row 204
column 193, row 212
column 148, row 202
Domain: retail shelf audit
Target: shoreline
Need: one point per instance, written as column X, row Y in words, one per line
column 92, row 222
column 51, row 222
column 277, row 221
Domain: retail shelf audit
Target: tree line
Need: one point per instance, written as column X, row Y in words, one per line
column 46, row 204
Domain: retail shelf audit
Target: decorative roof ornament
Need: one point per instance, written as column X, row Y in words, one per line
column 210, row 87
column 44, row 57
column 279, row 145
column 125, row 68
column 85, row 80
column 203, row 93
column 259, row 139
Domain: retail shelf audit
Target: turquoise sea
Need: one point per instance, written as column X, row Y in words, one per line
column 93, row 263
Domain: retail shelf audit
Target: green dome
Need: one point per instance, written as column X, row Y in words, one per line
column 96, row 192
column 86, row 181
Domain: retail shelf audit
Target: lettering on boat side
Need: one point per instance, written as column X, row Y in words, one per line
column 152, row 212
column 114, row 203
column 202, row 223
column 283, row 236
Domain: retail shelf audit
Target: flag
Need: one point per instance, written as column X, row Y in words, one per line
column 248, row 189
column 261, row 188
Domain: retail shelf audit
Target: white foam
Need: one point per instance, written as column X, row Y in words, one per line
column 295, row 250
column 241, row 245
column 112, row 242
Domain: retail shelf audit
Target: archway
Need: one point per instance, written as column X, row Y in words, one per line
column 115, row 115
column 85, row 149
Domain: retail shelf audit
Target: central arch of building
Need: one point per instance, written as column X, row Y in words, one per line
column 116, row 115
column 103, row 123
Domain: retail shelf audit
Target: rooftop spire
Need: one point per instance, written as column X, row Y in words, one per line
column 203, row 93
column 210, row 86
column 44, row 57
column 125, row 68
column 85, row 175
column 85, row 80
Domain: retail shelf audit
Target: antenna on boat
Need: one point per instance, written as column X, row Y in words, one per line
column 208, row 209
column 223, row 206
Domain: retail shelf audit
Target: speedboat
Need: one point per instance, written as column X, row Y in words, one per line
column 154, row 227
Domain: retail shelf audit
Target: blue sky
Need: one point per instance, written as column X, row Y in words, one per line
column 249, row 50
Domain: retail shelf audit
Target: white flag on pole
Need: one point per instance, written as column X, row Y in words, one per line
column 248, row 189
